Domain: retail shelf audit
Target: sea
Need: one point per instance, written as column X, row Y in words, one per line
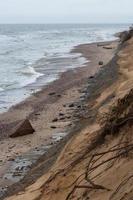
column 33, row 55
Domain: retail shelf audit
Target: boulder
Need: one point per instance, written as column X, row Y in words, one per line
column 23, row 128
column 125, row 36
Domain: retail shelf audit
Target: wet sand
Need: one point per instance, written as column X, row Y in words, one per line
column 21, row 155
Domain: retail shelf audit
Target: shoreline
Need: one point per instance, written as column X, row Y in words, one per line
column 39, row 84
column 68, row 89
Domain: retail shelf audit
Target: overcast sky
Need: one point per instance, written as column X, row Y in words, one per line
column 66, row 11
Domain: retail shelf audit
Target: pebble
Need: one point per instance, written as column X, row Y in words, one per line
column 37, row 114
column 59, row 95
column 61, row 114
column 68, row 117
column 52, row 93
column 91, row 77
column 100, row 63
column 53, row 127
column 55, row 120
column 11, row 159
column 71, row 105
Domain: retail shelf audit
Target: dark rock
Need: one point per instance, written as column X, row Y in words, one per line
column 107, row 47
column 11, row 159
column 37, row 114
column 100, row 62
column 51, row 143
column 23, row 128
column 79, row 106
column 52, row 93
column 91, row 77
column 59, row 95
column 61, row 114
column 71, row 105
column 84, row 91
column 17, row 174
column 126, row 35
column 68, row 117
column 53, row 127
column 55, row 120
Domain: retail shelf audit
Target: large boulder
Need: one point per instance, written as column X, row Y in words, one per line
column 126, row 35
column 23, row 128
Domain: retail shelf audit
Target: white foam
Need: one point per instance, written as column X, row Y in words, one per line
column 29, row 71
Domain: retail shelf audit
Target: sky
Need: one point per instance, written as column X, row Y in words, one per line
column 66, row 11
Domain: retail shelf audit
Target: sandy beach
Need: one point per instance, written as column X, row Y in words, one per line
column 53, row 113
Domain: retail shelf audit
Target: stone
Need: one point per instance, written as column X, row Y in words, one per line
column 68, row 117
column 37, row 114
column 100, row 62
column 126, row 35
column 23, row 128
column 52, row 93
column 107, row 47
column 53, row 127
column 91, row 77
column 59, row 95
column 61, row 114
column 71, row 105
column 11, row 159
column 55, row 120
column 79, row 106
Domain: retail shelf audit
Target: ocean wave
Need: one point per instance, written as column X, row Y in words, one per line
column 29, row 71
column 8, row 85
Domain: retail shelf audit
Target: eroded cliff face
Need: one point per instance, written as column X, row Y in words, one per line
column 97, row 163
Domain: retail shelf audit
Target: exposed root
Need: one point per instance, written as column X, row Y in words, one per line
column 120, row 186
column 91, row 168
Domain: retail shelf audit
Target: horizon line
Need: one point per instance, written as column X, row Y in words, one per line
column 46, row 23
